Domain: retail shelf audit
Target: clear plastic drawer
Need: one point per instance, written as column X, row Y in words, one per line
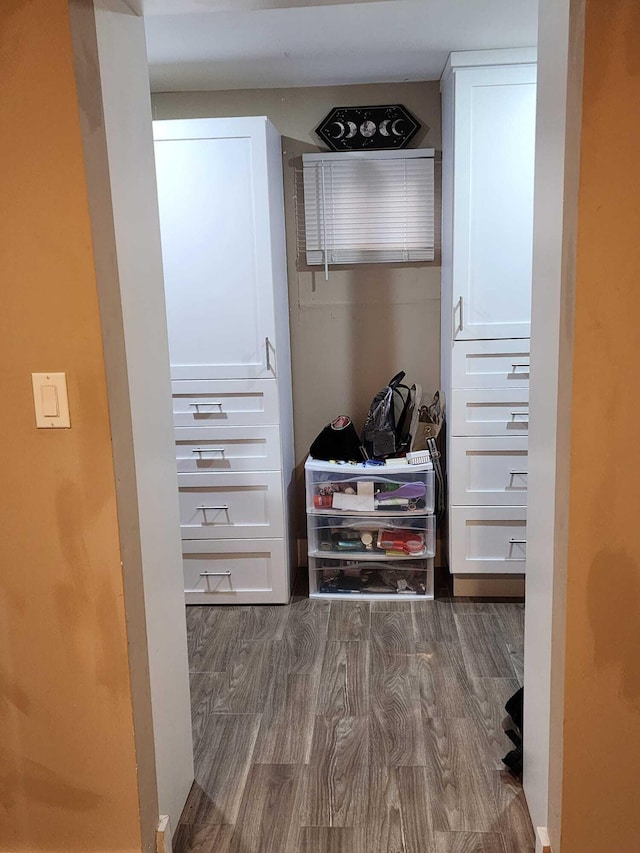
column 390, row 580
column 380, row 538
column 363, row 490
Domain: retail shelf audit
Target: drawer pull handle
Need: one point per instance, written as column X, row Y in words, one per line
column 215, row 574
column 518, row 541
column 208, row 450
column 221, row 507
column 518, row 364
column 205, row 403
column 519, row 473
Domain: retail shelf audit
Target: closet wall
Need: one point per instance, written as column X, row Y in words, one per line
column 352, row 333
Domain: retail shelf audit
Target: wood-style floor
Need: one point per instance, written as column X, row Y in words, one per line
column 345, row 727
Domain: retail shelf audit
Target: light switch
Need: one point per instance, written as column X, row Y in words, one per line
column 50, row 400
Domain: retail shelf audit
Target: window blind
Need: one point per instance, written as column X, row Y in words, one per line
column 369, row 207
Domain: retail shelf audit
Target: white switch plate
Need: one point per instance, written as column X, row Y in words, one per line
column 50, row 400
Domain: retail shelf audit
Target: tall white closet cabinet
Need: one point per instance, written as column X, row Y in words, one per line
column 223, row 242
column 489, row 103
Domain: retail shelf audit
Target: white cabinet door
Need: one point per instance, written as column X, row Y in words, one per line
column 493, row 169
column 491, row 364
column 216, row 245
column 490, row 411
column 488, row 540
column 488, row 470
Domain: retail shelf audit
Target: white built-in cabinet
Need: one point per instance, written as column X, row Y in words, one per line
column 488, row 114
column 220, row 197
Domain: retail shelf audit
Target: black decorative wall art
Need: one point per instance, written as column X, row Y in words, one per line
column 368, row 128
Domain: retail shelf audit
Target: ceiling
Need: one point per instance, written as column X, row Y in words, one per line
column 247, row 44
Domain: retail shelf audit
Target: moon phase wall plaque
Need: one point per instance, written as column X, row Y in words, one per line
column 368, row 128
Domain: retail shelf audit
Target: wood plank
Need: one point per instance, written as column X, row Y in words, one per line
column 212, row 643
column 514, row 821
column 266, row 622
column 222, row 760
column 396, row 733
column 349, row 620
column 338, row 773
column 415, row 794
column 484, row 646
column 445, row 690
column 387, row 663
column 202, row 838
column 516, row 654
column 462, row 788
column 269, row 815
column 286, row 730
column 384, row 829
column 324, row 839
column 489, row 697
column 469, row 842
column 391, row 606
column 205, row 689
column 392, row 632
column 249, row 678
column 305, row 634
column 344, row 679
column 512, row 618
column 433, row 622
column 461, row 605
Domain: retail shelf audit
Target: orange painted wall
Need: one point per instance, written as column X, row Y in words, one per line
column 600, row 805
column 67, row 760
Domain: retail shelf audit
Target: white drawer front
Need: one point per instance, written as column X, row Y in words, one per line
column 488, row 470
column 224, row 506
column 224, row 569
column 488, row 540
column 489, row 412
column 491, row 364
column 228, row 448
column 225, row 402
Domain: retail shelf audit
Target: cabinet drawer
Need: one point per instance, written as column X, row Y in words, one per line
column 390, row 580
column 225, row 402
column 488, row 470
column 385, row 538
column 490, row 364
column 228, row 448
column 231, row 569
column 360, row 489
column 224, row 506
column 488, row 540
column 489, row 412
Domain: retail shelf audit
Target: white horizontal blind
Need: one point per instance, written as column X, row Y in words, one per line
column 369, row 207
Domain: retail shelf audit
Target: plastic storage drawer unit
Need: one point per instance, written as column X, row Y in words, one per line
column 371, row 530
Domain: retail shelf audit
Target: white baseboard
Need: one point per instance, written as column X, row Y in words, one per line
column 543, row 845
column 163, row 835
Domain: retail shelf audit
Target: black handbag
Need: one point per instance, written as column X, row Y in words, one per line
column 338, row 441
column 385, row 430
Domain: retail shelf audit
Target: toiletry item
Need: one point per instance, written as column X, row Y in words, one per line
column 407, row 490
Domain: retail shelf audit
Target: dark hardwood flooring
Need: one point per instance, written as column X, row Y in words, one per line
column 345, row 727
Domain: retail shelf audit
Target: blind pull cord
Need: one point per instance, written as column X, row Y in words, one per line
column 324, row 224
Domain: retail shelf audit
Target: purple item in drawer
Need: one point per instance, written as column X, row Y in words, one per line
column 407, row 490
